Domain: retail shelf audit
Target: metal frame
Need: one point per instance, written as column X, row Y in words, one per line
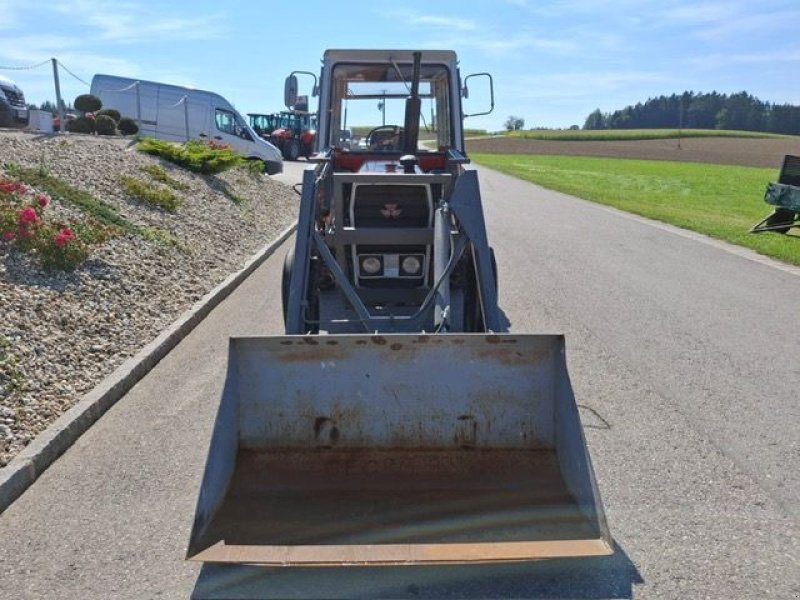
column 448, row 245
column 785, row 196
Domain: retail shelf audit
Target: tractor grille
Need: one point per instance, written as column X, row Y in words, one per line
column 391, row 206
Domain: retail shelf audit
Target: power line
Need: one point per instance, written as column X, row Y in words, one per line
column 4, row 68
column 73, row 74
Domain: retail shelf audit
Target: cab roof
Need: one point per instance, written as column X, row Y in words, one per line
column 428, row 56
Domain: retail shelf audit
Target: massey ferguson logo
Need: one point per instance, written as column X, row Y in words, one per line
column 390, row 211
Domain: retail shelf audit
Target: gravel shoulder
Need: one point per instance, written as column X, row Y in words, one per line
column 62, row 333
column 751, row 152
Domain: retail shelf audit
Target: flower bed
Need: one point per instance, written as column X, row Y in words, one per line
column 25, row 223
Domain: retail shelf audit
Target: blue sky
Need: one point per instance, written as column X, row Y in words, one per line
column 553, row 62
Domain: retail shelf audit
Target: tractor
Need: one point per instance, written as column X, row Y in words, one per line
column 397, row 421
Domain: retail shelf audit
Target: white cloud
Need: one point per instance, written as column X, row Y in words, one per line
column 443, row 21
column 721, row 60
column 129, row 22
column 733, row 28
column 582, row 84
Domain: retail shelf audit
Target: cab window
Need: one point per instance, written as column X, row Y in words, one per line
column 228, row 123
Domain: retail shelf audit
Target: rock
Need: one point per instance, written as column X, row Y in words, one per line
column 70, row 330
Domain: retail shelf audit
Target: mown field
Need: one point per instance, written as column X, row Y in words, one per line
column 582, row 135
column 722, row 201
column 765, row 152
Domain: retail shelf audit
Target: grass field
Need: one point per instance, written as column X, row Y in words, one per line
column 717, row 200
column 595, row 135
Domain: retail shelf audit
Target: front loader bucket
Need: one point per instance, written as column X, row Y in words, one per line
column 397, row 449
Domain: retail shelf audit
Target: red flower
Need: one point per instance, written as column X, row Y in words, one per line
column 28, row 215
column 8, row 187
column 8, row 236
column 63, row 237
column 43, row 200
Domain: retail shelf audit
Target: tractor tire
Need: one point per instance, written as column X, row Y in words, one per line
column 291, row 149
column 312, row 316
column 781, row 216
column 473, row 318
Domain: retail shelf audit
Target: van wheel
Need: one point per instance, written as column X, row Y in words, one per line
column 5, row 115
column 291, row 150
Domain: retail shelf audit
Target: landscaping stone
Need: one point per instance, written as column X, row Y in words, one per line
column 62, row 333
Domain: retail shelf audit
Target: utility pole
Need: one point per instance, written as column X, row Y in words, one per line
column 59, row 101
column 680, row 122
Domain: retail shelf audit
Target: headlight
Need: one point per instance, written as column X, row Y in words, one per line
column 371, row 265
column 411, row 265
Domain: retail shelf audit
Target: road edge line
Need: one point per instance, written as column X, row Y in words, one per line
column 25, row 468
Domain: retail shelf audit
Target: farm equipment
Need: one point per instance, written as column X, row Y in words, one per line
column 262, row 124
column 785, row 197
column 295, row 134
column 431, row 437
column 292, row 132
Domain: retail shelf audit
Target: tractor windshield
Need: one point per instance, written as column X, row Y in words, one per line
column 368, row 107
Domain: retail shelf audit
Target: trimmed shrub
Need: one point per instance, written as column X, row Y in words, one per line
column 81, row 125
column 105, row 125
column 200, row 157
column 127, row 126
column 110, row 112
column 88, row 103
column 152, row 194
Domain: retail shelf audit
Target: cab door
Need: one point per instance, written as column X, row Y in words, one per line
column 229, row 129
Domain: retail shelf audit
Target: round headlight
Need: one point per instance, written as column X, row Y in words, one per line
column 371, row 265
column 411, row 265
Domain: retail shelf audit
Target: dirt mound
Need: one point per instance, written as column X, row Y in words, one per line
column 751, row 152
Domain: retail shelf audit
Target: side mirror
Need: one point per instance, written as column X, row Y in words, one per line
column 290, row 88
column 290, row 91
column 465, row 93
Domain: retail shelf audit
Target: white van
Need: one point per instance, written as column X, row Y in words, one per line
column 162, row 114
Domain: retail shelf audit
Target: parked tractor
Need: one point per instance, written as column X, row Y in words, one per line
column 292, row 132
column 397, row 422
column 262, row 124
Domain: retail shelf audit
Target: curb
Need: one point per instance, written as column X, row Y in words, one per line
column 46, row 447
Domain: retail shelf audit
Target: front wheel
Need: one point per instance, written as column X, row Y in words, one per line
column 311, row 316
column 291, row 150
column 473, row 315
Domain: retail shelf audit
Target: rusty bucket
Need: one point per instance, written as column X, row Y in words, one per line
column 397, row 449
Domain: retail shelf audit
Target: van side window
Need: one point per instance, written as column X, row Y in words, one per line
column 228, row 123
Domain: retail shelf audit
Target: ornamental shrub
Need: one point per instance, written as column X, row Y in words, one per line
column 58, row 245
column 200, row 157
column 127, row 126
column 105, row 125
column 110, row 112
column 152, row 194
column 88, row 103
column 81, row 125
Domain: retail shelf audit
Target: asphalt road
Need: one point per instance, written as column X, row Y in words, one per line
column 683, row 356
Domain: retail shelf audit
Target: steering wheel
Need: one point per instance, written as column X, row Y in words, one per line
column 385, row 137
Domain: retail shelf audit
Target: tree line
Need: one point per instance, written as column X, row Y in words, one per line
column 691, row 110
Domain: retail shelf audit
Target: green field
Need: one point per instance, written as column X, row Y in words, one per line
column 606, row 135
column 717, row 200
